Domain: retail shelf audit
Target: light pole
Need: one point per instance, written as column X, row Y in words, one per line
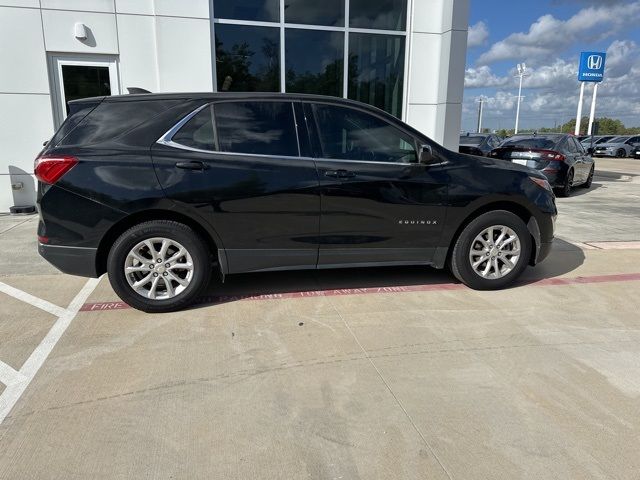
column 480, row 108
column 522, row 69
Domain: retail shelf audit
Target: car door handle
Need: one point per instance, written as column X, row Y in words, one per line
column 193, row 165
column 339, row 173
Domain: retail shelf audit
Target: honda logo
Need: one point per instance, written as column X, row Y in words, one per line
column 594, row 62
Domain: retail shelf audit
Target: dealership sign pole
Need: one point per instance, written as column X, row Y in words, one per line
column 591, row 70
column 579, row 114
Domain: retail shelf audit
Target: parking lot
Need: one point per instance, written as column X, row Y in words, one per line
column 371, row 373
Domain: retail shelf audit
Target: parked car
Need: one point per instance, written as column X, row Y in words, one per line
column 586, row 143
column 158, row 190
column 617, row 147
column 479, row 144
column 560, row 157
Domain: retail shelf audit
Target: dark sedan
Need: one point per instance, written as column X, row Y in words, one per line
column 560, row 157
column 479, row 144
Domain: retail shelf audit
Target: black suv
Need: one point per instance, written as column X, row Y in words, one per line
column 160, row 190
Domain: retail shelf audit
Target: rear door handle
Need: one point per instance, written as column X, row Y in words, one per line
column 193, row 165
column 339, row 173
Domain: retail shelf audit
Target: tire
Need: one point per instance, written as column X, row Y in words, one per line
column 177, row 285
column 621, row 153
column 565, row 190
column 461, row 256
column 589, row 181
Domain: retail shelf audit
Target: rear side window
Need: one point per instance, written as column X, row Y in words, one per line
column 260, row 128
column 111, row 119
column 349, row 134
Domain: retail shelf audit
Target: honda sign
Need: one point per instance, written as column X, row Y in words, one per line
column 591, row 66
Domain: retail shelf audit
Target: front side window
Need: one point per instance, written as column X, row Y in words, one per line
column 349, row 134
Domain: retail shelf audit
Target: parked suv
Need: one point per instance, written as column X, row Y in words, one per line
column 160, row 190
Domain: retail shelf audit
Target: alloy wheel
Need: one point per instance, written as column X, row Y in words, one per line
column 495, row 252
column 158, row 268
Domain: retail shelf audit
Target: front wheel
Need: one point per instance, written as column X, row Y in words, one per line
column 492, row 251
column 159, row 266
column 621, row 153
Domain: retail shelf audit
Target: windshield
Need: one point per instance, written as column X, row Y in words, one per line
column 619, row 139
column 539, row 141
column 471, row 139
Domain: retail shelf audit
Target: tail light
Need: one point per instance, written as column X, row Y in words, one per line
column 51, row 169
column 558, row 157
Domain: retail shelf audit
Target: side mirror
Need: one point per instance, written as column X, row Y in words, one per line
column 426, row 154
column 44, row 144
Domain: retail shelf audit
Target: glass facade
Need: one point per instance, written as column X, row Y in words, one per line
column 303, row 47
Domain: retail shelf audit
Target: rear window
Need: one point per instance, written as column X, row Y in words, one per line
column 111, row 119
column 262, row 128
column 471, row 139
column 541, row 142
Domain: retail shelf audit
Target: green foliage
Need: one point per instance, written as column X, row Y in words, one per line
column 606, row 126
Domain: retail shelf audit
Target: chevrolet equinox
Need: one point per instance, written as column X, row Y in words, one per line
column 161, row 190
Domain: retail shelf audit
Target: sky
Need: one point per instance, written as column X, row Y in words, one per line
column 548, row 35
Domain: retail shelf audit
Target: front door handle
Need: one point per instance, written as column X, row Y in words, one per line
column 339, row 173
column 193, row 165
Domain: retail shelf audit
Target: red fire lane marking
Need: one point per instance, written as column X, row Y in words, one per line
column 622, row 277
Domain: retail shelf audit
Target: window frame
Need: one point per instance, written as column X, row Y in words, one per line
column 167, row 138
column 314, row 132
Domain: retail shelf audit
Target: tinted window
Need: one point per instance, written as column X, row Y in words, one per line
column 247, row 58
column 82, row 81
column 111, row 119
column 315, row 12
column 376, row 69
column 380, row 14
column 198, row 132
column 570, row 146
column 263, row 10
column 533, row 142
column 633, row 140
column 314, row 61
column 579, row 147
column 266, row 128
column 350, row 134
column 618, row 140
column 471, row 139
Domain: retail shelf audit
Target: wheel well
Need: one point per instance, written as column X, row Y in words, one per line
column 514, row 208
column 126, row 223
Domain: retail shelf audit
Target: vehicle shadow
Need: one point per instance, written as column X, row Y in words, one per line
column 564, row 258
column 579, row 191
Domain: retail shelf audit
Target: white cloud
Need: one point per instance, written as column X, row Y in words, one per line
column 478, row 35
column 483, row 77
column 548, row 35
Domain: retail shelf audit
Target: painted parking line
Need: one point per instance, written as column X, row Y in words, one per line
column 17, row 385
column 622, row 277
column 31, row 300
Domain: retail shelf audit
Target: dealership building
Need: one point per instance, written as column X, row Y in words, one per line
column 404, row 56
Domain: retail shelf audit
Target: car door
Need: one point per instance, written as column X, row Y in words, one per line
column 586, row 161
column 378, row 204
column 237, row 164
column 570, row 150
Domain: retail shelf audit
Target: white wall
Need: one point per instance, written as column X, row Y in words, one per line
column 437, row 49
column 160, row 45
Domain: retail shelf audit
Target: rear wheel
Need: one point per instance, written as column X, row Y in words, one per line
column 589, row 181
column 565, row 190
column 492, row 251
column 159, row 266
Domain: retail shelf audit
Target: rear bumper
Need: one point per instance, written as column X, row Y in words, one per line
column 79, row 261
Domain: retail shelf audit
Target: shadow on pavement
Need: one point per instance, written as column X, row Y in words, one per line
column 564, row 258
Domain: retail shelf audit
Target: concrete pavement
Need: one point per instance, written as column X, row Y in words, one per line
column 389, row 373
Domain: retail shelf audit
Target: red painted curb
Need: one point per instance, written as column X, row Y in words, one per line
column 622, row 277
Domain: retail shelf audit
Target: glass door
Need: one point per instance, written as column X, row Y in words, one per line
column 75, row 77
